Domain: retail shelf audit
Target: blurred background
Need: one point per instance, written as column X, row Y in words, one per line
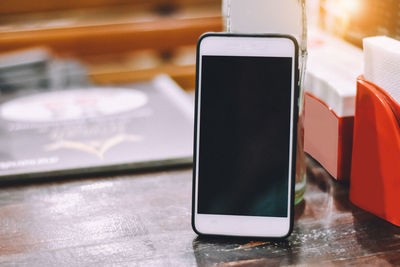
column 356, row 19
column 124, row 41
column 101, row 41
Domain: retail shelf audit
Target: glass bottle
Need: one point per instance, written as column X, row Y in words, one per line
column 260, row 16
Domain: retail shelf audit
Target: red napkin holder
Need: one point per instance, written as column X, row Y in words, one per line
column 375, row 168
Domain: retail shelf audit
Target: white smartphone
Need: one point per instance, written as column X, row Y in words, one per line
column 245, row 135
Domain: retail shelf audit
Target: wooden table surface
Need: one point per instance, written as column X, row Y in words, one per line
column 143, row 219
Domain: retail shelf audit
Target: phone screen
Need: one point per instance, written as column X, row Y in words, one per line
column 244, row 142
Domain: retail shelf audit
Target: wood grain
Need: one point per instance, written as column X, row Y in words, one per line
column 28, row 6
column 184, row 75
column 143, row 219
column 162, row 34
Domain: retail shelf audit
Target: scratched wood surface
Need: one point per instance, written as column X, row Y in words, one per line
column 143, row 219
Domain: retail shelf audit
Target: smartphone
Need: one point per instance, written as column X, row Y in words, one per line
column 245, row 135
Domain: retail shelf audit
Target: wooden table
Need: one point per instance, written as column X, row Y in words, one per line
column 143, row 219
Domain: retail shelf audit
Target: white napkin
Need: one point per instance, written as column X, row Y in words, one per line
column 382, row 64
column 332, row 71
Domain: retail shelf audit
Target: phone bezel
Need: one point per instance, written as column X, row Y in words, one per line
column 237, row 45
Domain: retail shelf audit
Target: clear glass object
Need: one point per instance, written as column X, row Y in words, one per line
column 260, row 16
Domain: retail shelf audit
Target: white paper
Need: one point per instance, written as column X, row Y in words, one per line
column 382, row 64
column 332, row 71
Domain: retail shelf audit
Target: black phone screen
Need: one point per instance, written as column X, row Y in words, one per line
column 244, row 142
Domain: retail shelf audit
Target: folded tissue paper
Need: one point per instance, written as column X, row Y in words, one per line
column 382, row 64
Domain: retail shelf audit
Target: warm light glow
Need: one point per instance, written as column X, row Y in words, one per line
column 343, row 8
column 340, row 14
column 351, row 6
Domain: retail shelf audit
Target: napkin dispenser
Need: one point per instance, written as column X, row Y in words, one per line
column 332, row 70
column 375, row 170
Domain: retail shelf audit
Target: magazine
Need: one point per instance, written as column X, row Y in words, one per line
column 95, row 129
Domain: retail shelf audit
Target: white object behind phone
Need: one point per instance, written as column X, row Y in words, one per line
column 264, row 16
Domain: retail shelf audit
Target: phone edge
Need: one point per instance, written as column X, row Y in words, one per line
column 295, row 125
